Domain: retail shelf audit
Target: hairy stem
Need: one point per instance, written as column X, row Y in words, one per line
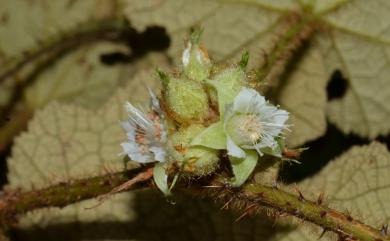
column 249, row 196
column 15, row 203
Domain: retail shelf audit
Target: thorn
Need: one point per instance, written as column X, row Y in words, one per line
column 213, row 186
column 140, row 177
column 226, row 205
column 320, row 198
column 384, row 229
column 323, row 233
column 301, row 197
column 246, row 212
column 348, row 214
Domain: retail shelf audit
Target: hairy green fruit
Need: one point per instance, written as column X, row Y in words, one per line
column 193, row 160
column 186, row 100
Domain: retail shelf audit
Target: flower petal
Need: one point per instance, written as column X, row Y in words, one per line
column 233, row 149
column 132, row 150
column 159, row 153
column 248, row 101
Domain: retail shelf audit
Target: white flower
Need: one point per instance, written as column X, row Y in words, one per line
column 251, row 122
column 146, row 133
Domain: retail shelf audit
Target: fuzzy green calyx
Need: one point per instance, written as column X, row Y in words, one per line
column 196, row 62
column 228, row 83
column 193, row 160
column 186, row 100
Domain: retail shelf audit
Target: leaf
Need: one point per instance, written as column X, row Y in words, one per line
column 177, row 16
column 356, row 181
column 213, row 137
column 25, row 24
column 362, row 47
column 80, row 77
column 29, row 27
column 305, row 98
column 243, row 168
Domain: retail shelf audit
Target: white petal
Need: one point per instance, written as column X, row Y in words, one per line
column 186, row 55
column 233, row 149
column 127, row 126
column 273, row 120
column 154, row 101
column 132, row 150
column 159, row 153
column 248, row 101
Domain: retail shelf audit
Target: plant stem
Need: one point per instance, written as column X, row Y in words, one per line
column 257, row 196
column 15, row 203
column 253, row 196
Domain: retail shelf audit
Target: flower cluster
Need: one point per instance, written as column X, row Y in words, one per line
column 209, row 110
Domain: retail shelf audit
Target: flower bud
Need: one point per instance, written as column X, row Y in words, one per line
column 193, row 160
column 186, row 100
column 196, row 61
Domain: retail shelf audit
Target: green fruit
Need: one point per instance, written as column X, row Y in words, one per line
column 192, row 160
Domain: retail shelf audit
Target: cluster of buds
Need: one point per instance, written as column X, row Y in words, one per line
column 204, row 111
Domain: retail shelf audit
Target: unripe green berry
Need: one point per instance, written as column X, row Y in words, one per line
column 186, row 100
column 193, row 160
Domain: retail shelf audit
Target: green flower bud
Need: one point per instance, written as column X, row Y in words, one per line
column 186, row 100
column 196, row 61
column 193, row 160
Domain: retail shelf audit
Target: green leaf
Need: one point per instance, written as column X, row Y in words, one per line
column 80, row 77
column 213, row 137
column 357, row 181
column 27, row 24
column 304, row 96
column 361, row 48
column 250, row 24
column 161, row 178
column 243, row 168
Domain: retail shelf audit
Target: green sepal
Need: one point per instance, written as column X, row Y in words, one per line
column 161, row 178
column 228, row 84
column 277, row 151
column 243, row 167
column 212, row 137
